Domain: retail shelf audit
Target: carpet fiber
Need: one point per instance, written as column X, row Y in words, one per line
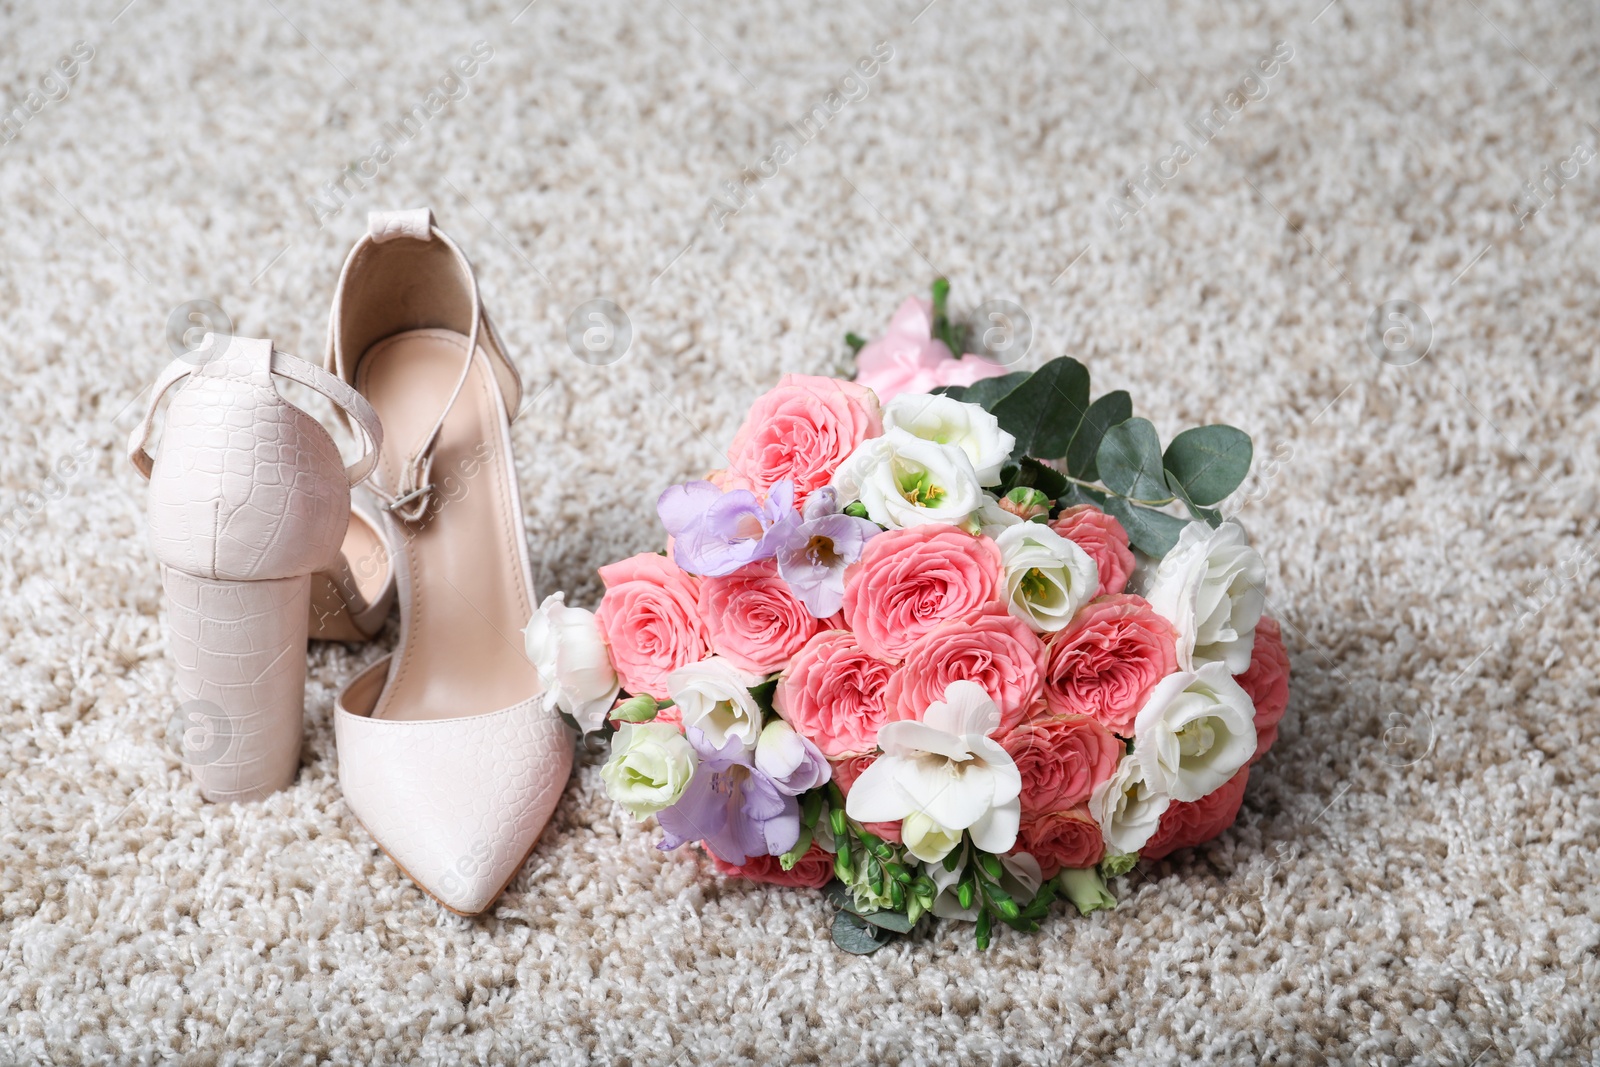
column 1412, row 878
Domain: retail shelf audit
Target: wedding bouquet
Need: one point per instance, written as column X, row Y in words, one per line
column 946, row 653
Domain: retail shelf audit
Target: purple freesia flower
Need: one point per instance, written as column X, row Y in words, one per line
column 715, row 533
column 813, row 551
column 793, row 763
column 735, row 808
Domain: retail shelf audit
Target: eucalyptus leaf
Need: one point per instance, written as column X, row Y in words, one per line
column 1043, row 412
column 887, row 920
column 1209, row 516
column 855, row 935
column 1083, row 454
column 1130, row 462
column 1209, row 462
column 1152, row 532
column 987, row 392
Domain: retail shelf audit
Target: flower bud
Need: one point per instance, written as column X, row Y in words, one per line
column 1026, row 503
column 641, row 708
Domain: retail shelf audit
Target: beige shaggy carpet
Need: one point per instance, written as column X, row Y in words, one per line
column 1412, row 878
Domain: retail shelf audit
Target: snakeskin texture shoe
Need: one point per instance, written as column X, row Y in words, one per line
column 249, row 501
column 446, row 753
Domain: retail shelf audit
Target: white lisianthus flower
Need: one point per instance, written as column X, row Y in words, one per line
column 948, row 421
column 1127, row 807
column 714, row 697
column 650, row 767
column 1195, row 731
column 1047, row 577
column 570, row 654
column 991, row 520
column 1210, row 588
column 946, row 768
column 926, row 839
column 1021, row 878
column 903, row 480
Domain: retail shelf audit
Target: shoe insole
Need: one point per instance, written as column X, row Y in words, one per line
column 465, row 592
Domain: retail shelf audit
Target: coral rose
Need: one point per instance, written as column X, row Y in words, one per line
column 833, row 694
column 651, row 620
column 1104, row 539
column 1267, row 682
column 845, row 773
column 1185, row 824
column 752, row 620
column 909, row 581
column 1060, row 840
column 1108, row 660
column 812, row 871
column 801, row 431
column 1061, row 759
column 999, row 652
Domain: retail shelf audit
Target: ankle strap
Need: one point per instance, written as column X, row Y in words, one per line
column 244, row 357
column 409, row 500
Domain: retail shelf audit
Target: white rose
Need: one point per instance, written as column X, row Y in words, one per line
column 948, row 421
column 1194, row 732
column 714, row 697
column 567, row 649
column 1047, row 577
column 1210, row 588
column 1127, row 807
column 903, row 480
column 650, row 767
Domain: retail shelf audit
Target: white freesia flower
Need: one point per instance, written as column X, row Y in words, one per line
column 570, row 654
column 926, row 839
column 947, row 768
column 1194, row 732
column 1021, row 878
column 1127, row 807
column 903, row 480
column 1210, row 588
column 650, row 767
column 1047, row 577
column 948, row 421
column 714, row 697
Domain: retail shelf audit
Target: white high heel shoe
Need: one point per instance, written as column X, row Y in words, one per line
column 446, row 753
column 248, row 500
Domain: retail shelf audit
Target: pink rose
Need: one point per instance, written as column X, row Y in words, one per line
column 1061, row 759
column 1107, row 660
column 999, row 652
column 800, row 432
column 812, row 871
column 651, row 620
column 833, row 694
column 909, row 581
column 1104, row 539
column 907, row 359
column 1186, row 824
column 845, row 773
column 1267, row 682
column 752, row 620
column 1061, row 840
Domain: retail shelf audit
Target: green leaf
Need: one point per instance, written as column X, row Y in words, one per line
column 1152, row 532
column 1130, row 462
column 857, row 936
column 981, row 935
column 1083, row 453
column 987, row 392
column 1031, row 474
column 1044, row 412
column 954, row 392
column 1209, row 516
column 943, row 329
column 886, row 919
column 856, row 342
column 1209, row 462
